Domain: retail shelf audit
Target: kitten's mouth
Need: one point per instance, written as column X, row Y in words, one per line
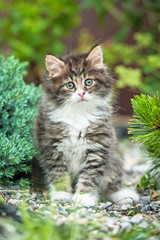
column 82, row 100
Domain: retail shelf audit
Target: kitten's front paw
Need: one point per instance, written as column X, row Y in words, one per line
column 60, row 195
column 86, row 199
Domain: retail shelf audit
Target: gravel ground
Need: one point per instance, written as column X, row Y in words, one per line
column 110, row 218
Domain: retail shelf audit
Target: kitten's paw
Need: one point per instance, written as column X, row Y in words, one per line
column 60, row 195
column 86, row 199
column 124, row 195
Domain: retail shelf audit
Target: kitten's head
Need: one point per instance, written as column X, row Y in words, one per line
column 80, row 79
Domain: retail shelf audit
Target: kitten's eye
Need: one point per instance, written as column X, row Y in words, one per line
column 70, row 85
column 88, row 82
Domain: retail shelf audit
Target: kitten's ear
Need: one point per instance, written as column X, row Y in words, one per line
column 53, row 65
column 96, row 57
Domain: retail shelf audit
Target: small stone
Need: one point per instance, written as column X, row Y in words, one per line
column 125, row 207
column 157, row 203
column 143, row 225
column 64, row 213
column 145, row 209
column 124, row 219
column 102, row 219
column 66, row 201
column 146, row 199
column 13, row 201
column 18, row 195
column 152, row 207
column 115, row 230
column 54, row 205
column 108, row 206
column 113, row 213
column 110, row 223
column 125, row 225
column 136, row 219
column 31, row 202
column 146, row 193
column 158, row 215
column 138, row 205
column 34, row 195
column 97, row 215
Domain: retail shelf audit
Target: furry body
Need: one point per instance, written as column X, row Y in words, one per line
column 74, row 129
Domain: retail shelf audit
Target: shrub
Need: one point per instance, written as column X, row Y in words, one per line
column 145, row 127
column 17, row 112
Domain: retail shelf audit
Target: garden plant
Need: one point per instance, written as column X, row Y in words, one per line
column 145, row 130
column 18, row 108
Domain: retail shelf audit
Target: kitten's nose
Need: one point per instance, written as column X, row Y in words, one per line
column 81, row 94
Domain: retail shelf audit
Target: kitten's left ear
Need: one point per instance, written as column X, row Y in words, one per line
column 53, row 65
column 96, row 57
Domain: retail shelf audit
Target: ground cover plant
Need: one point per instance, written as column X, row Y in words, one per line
column 18, row 103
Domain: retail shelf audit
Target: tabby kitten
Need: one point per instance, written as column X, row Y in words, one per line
column 74, row 130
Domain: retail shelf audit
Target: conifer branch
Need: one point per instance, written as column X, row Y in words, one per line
column 145, row 128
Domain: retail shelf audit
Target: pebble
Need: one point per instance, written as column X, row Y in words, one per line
column 143, row 225
column 107, row 205
column 125, row 206
column 124, row 219
column 125, row 225
column 145, row 209
column 13, row 201
column 146, row 199
column 136, row 219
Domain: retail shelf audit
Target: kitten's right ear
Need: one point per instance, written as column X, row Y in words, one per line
column 53, row 65
column 96, row 57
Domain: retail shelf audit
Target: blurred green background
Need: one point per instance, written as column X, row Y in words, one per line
column 128, row 30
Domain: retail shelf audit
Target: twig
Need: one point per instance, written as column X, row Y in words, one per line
column 13, row 190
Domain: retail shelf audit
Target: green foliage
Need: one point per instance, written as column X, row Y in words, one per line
column 146, row 182
column 138, row 21
column 2, row 201
column 137, row 233
column 128, row 77
column 30, row 29
column 141, row 68
column 145, row 127
column 17, row 113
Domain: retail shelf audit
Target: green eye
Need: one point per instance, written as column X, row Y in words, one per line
column 88, row 82
column 70, row 85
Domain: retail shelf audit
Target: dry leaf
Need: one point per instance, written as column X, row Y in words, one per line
column 155, row 195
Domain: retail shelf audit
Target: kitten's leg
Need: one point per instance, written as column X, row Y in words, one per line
column 89, row 180
column 56, row 175
column 113, row 189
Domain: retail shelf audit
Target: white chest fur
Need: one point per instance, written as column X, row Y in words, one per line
column 74, row 149
column 76, row 118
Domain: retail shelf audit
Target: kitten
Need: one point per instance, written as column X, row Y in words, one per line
column 74, row 130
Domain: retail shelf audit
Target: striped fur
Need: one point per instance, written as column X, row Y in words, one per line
column 75, row 134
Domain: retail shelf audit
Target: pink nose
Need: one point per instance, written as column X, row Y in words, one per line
column 81, row 94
